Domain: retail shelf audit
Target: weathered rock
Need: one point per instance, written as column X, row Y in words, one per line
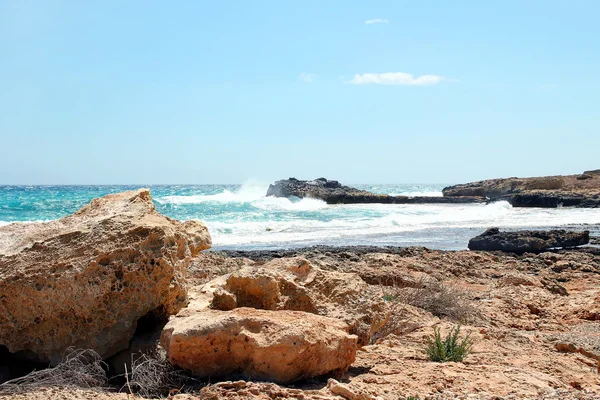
column 332, row 192
column 585, row 176
column 553, row 199
column 494, row 188
column 295, row 284
column 546, row 192
column 86, row 279
column 583, row 338
column 527, row 241
column 346, row 392
column 279, row 346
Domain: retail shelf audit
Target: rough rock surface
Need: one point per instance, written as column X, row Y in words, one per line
column 549, row 192
column 521, row 320
column 527, row 241
column 279, row 346
column 334, row 192
column 86, row 279
column 295, row 284
column 521, row 316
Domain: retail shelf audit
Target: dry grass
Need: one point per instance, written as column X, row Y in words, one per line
column 442, row 300
column 78, row 369
column 152, row 376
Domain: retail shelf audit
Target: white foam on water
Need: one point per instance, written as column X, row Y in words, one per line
column 418, row 194
column 248, row 192
column 373, row 220
column 282, row 203
column 4, row 223
column 251, row 193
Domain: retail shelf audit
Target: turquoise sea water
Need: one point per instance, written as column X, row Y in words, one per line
column 241, row 216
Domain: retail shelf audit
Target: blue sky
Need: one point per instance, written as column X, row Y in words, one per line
column 363, row 92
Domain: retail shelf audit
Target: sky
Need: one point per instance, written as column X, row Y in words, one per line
column 150, row 92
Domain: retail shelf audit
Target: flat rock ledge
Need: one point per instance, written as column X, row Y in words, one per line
column 85, row 280
column 278, row 346
column 333, row 192
column 527, row 241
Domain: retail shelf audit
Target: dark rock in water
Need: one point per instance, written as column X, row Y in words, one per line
column 334, row 192
column 320, row 188
column 527, row 241
column 592, row 172
column 553, row 200
column 584, row 177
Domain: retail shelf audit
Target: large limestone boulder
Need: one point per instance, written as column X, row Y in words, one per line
column 295, row 284
column 279, row 346
column 86, row 279
column 527, row 241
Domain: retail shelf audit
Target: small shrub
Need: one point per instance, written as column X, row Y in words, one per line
column 450, row 348
column 389, row 297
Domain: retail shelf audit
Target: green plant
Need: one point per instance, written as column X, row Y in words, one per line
column 389, row 297
column 451, row 348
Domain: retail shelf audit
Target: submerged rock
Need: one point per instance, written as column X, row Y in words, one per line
column 86, row 279
column 279, row 346
column 527, row 241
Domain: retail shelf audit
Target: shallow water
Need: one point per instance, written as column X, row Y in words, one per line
column 241, row 217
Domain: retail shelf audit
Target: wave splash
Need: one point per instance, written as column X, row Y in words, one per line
column 252, row 193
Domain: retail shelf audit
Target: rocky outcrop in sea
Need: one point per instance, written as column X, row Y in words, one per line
column 548, row 192
column 333, row 192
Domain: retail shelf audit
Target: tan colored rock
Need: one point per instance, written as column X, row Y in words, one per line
column 279, row 346
column 295, row 284
column 582, row 338
column 346, row 392
column 84, row 280
column 516, row 278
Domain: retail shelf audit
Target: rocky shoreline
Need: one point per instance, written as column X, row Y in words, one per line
column 140, row 293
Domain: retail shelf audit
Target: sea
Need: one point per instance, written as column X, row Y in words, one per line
column 243, row 217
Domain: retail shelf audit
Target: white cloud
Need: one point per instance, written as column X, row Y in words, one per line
column 308, row 78
column 376, row 21
column 395, row 78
